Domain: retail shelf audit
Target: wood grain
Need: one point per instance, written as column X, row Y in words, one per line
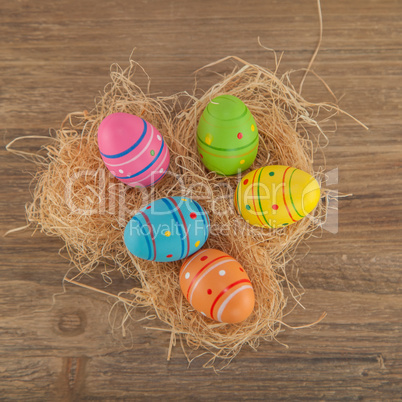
column 55, row 59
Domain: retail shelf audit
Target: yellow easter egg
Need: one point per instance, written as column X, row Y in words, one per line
column 276, row 196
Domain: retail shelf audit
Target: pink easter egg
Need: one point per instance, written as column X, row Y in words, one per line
column 132, row 149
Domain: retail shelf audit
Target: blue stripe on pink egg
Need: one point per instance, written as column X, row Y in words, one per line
column 132, row 149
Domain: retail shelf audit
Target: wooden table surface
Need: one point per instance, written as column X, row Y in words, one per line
column 55, row 58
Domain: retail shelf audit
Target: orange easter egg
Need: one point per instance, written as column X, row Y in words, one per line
column 217, row 286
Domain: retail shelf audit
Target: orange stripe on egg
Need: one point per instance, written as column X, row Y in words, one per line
column 200, row 271
column 283, row 193
column 252, row 194
column 223, row 292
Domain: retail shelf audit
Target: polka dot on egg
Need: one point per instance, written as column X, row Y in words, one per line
column 187, row 275
column 121, row 171
column 245, row 181
column 241, row 269
column 201, row 156
column 184, row 199
column 208, row 139
column 152, row 152
column 242, row 161
column 203, row 314
column 252, row 127
column 161, row 171
column 159, row 137
column 285, row 224
column 248, row 207
column 271, row 173
column 209, row 291
column 222, row 272
column 240, row 136
column 275, row 207
column 204, row 258
column 167, row 233
column 169, row 256
column 197, row 243
column 193, row 215
column 148, row 207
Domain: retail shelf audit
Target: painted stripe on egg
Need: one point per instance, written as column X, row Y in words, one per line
column 283, row 193
column 226, row 302
column 206, row 273
column 145, row 168
column 151, row 232
column 157, row 169
column 191, row 259
column 184, row 224
column 290, row 194
column 200, row 271
column 228, row 150
column 252, row 194
column 203, row 215
column 135, row 145
column 224, row 291
column 227, row 157
column 259, row 199
column 168, row 204
column 235, row 125
column 139, row 154
column 146, row 238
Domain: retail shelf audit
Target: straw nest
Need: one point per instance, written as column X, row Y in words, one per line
column 76, row 199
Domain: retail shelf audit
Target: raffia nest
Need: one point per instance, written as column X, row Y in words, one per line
column 76, row 199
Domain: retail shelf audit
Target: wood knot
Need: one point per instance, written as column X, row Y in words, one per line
column 72, row 323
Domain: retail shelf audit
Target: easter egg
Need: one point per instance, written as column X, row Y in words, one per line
column 132, row 149
column 217, row 286
column 227, row 136
column 276, row 196
column 167, row 229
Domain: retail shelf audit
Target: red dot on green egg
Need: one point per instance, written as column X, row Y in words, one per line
column 193, row 215
column 245, row 181
column 271, row 173
column 248, row 207
column 204, row 258
column 209, row 291
column 169, row 256
column 240, row 136
column 201, row 156
column 152, row 152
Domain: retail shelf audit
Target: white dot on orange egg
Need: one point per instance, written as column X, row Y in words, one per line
column 203, row 314
column 187, row 275
column 222, row 272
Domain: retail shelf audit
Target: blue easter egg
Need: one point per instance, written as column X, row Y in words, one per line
column 167, row 229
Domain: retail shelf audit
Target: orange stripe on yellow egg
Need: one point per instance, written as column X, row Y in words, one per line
column 252, row 194
column 284, row 197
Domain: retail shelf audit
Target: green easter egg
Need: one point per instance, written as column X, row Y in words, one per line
column 227, row 136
